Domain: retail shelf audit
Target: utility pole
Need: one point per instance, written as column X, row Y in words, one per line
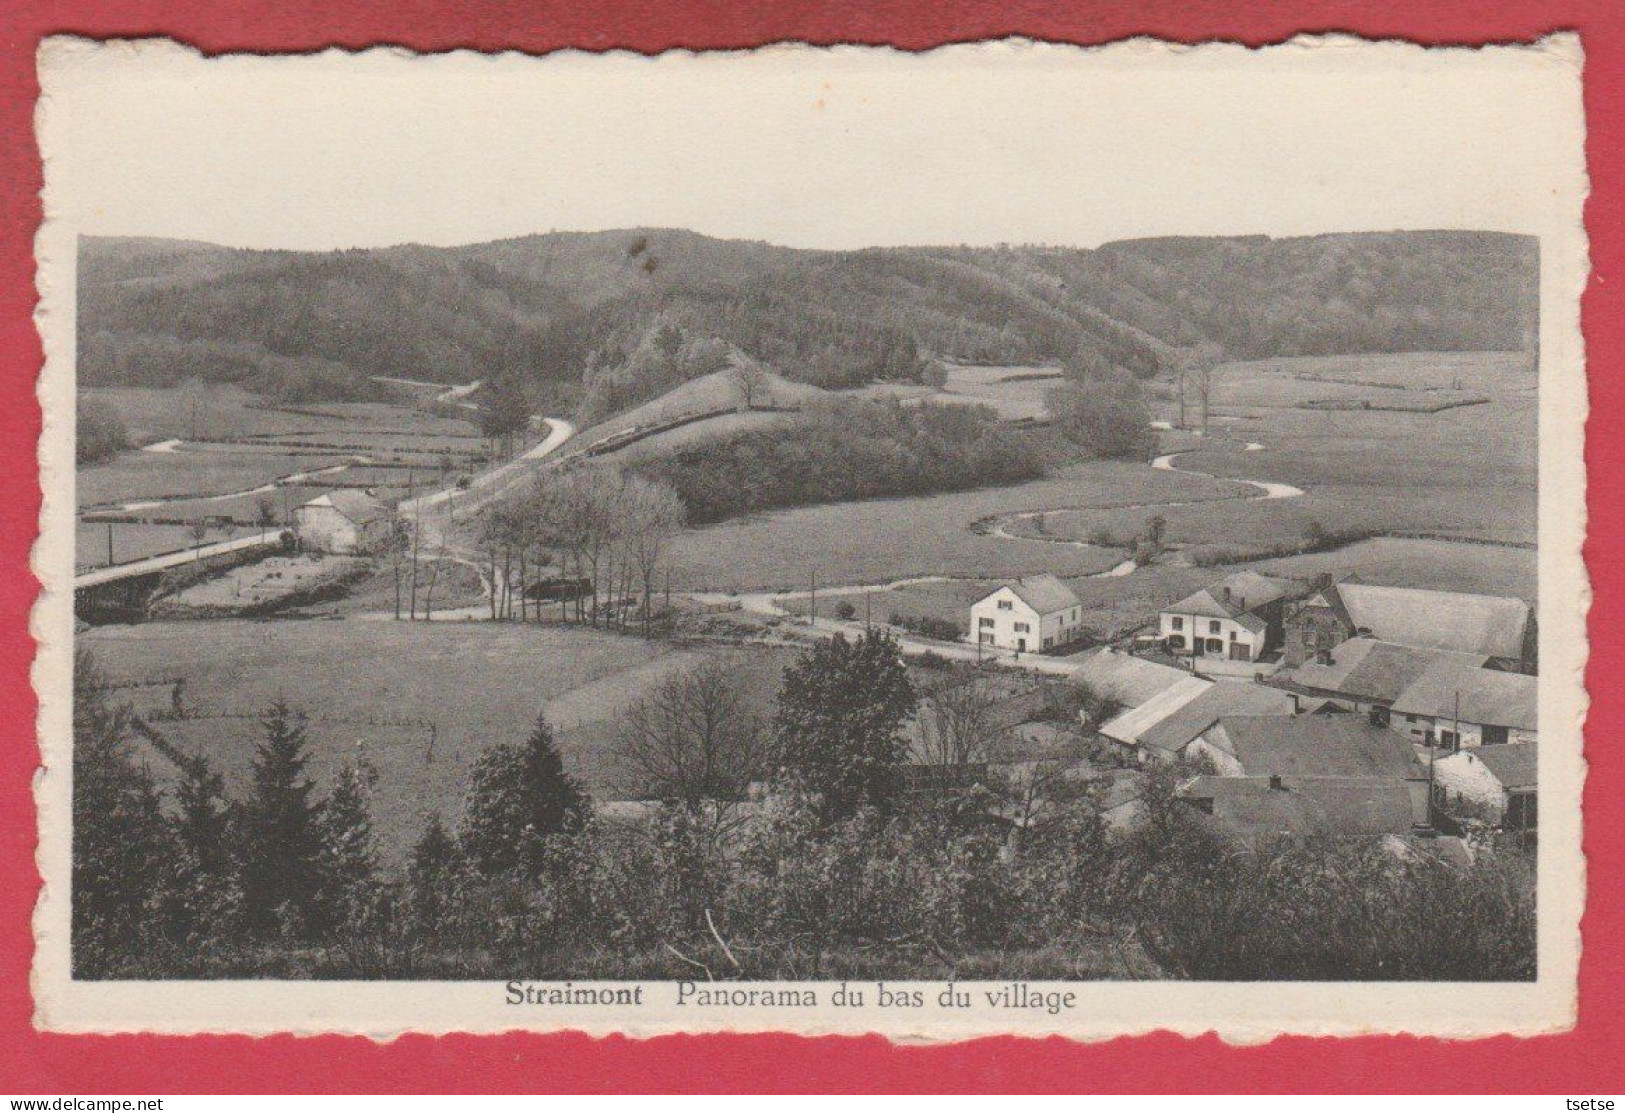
column 868, row 623
column 109, row 543
column 812, row 618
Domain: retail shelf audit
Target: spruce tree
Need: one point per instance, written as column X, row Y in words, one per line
column 281, row 866
column 207, row 899
column 349, row 855
column 121, row 845
column 840, row 722
column 517, row 794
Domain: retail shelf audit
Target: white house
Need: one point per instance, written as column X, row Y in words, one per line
column 1027, row 615
column 342, row 521
column 1499, row 780
column 1460, row 706
column 1238, row 618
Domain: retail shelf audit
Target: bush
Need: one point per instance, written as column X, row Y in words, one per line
column 100, row 433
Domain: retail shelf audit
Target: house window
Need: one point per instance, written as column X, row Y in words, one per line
column 985, row 623
column 1006, row 605
column 1022, row 628
column 1410, row 718
column 1232, row 635
column 1179, row 624
column 987, row 639
column 1213, row 627
column 1176, row 641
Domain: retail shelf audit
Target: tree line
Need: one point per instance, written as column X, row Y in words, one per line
column 594, row 541
column 791, row 846
column 844, row 450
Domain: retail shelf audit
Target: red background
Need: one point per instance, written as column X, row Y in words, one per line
column 1590, row 1059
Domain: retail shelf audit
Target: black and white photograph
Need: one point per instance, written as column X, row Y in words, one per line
column 817, row 530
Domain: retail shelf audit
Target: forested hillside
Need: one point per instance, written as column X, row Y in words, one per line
column 601, row 320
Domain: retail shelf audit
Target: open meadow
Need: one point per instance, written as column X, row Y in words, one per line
column 372, row 688
column 879, row 540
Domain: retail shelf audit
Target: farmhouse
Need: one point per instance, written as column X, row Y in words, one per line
column 342, row 521
column 1185, row 732
column 1501, row 630
column 1026, row 615
column 1499, row 782
column 1460, row 706
column 1238, row 618
column 1125, row 729
column 1363, row 674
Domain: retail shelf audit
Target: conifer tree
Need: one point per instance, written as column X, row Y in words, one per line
column 207, row 899
column 121, row 845
column 840, row 720
column 349, row 855
column 282, row 840
column 519, row 793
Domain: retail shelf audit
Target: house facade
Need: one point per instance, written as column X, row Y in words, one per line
column 1239, row 618
column 342, row 522
column 1028, row 615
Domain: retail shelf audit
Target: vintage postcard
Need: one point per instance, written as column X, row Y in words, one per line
column 1013, row 538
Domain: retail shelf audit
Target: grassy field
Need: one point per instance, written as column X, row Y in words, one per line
column 133, row 541
column 1016, row 392
column 1406, row 562
column 477, row 682
column 886, row 539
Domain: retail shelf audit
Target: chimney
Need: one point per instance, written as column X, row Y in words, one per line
column 1243, row 604
column 1297, row 708
column 1276, row 784
column 1226, row 590
column 1376, row 717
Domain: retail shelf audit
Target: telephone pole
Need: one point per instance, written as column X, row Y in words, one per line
column 812, row 617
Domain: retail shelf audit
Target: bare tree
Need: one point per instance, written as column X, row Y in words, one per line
column 653, row 515
column 695, row 742
column 750, row 382
column 958, row 724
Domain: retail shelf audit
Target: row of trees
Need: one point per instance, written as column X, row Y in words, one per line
column 595, row 536
column 845, row 450
column 782, row 847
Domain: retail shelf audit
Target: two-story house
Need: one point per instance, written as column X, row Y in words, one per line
column 1238, row 618
column 1027, row 615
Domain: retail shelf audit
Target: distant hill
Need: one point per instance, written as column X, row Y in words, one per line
column 600, row 321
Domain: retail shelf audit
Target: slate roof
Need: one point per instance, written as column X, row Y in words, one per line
column 1128, row 726
column 1248, row 592
column 1487, row 624
column 1126, row 678
column 356, row 505
column 1044, row 593
column 1514, row 765
column 1488, row 696
column 1371, row 670
column 1251, row 809
column 1224, row 698
column 1318, row 745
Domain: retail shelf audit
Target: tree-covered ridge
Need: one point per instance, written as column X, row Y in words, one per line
column 553, row 311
